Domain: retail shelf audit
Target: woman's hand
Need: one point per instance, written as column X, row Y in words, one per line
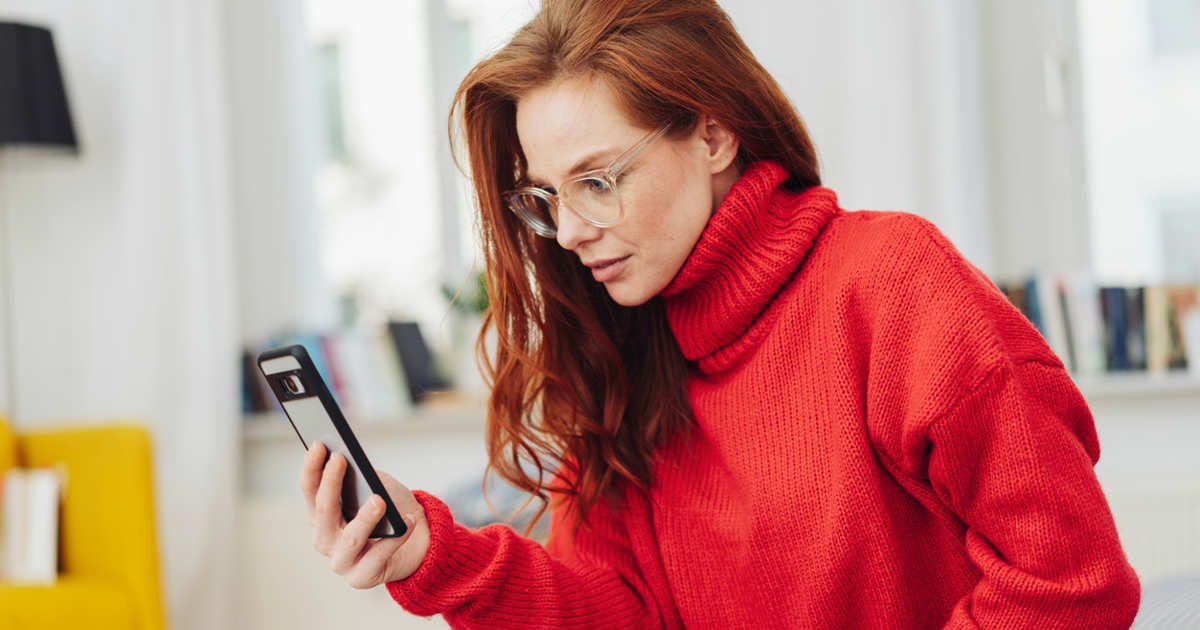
column 364, row 562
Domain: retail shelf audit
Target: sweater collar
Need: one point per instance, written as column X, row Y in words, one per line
column 755, row 240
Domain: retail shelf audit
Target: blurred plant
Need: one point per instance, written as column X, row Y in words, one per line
column 471, row 297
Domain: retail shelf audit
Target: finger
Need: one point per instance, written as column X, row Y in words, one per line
column 310, row 475
column 355, row 534
column 328, row 517
column 401, row 496
column 373, row 563
column 371, row 567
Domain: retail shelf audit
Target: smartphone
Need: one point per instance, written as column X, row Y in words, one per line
column 316, row 417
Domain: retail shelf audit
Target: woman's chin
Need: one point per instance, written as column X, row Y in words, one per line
column 627, row 293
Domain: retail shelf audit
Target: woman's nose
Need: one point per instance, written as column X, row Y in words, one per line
column 573, row 231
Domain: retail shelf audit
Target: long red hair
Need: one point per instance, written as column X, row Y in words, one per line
column 579, row 383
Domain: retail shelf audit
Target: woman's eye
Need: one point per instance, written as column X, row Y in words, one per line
column 597, row 186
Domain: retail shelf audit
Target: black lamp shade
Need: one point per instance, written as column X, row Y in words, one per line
column 33, row 103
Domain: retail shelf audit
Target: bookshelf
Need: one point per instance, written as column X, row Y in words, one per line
column 272, row 427
column 432, row 446
column 1133, row 385
column 1118, row 341
column 457, row 414
column 446, row 413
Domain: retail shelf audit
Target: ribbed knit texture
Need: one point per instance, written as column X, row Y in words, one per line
column 881, row 441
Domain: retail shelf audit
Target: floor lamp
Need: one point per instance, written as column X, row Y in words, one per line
column 33, row 111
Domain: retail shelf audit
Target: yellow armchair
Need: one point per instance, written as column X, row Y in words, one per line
column 108, row 552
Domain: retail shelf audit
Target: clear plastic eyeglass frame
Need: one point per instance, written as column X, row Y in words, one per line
column 605, row 177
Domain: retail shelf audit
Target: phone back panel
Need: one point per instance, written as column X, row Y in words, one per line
column 313, row 422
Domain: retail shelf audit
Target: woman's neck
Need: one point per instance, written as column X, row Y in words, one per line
column 723, row 182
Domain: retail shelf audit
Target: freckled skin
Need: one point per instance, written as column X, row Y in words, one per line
column 669, row 191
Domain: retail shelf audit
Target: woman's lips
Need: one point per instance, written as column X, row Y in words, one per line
column 609, row 272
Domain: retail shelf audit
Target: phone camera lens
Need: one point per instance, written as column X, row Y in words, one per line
column 292, row 383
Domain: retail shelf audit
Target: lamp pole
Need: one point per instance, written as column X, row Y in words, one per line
column 33, row 110
column 6, row 288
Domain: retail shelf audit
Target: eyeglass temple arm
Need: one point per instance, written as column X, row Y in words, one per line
column 633, row 152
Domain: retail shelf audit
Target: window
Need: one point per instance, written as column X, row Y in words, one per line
column 1141, row 95
column 396, row 223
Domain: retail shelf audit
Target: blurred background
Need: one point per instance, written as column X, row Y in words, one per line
column 241, row 175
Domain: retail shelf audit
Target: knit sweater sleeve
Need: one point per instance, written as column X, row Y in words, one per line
column 495, row 578
column 1014, row 459
column 977, row 417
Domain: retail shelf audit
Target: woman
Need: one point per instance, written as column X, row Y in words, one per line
column 753, row 408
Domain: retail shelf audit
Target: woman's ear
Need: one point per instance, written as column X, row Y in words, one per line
column 722, row 146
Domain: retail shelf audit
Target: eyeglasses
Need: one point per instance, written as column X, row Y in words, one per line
column 592, row 196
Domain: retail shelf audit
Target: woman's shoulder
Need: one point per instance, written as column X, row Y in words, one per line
column 904, row 248
column 882, row 251
column 901, row 276
column 885, row 236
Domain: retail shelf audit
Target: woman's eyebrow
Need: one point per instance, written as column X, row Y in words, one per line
column 585, row 163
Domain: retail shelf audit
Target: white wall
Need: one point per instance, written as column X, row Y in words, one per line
column 892, row 97
column 125, row 307
column 940, row 108
column 274, row 145
column 1040, row 218
column 1151, row 476
column 1030, row 143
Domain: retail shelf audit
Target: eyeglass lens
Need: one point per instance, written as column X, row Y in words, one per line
column 592, row 198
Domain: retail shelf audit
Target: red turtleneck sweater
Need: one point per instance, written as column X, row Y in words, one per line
column 882, row 441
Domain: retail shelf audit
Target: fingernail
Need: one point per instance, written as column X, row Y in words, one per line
column 377, row 502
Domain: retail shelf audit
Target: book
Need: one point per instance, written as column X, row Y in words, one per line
column 1158, row 341
column 1015, row 294
column 420, row 371
column 1190, row 323
column 1112, row 308
column 247, row 383
column 32, row 499
column 385, row 363
column 1071, row 360
column 1184, row 348
column 1135, row 327
column 316, row 351
column 333, row 360
column 1109, row 328
column 1086, row 324
column 1033, row 305
column 1043, row 296
column 255, row 396
column 374, row 387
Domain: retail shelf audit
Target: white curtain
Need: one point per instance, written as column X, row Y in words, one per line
column 892, row 94
column 123, row 283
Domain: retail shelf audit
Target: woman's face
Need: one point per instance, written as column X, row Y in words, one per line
column 668, row 191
